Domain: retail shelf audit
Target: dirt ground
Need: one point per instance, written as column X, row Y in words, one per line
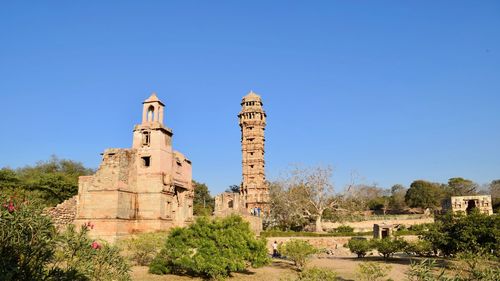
column 346, row 267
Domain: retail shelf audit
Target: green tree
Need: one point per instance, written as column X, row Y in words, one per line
column 494, row 190
column 397, row 199
column 472, row 233
column 388, row 247
column 233, row 188
column 8, row 179
column 298, row 251
column 203, row 202
column 424, row 194
column 211, row 248
column 461, row 187
column 360, row 246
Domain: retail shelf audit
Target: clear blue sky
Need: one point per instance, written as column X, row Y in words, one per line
column 395, row 90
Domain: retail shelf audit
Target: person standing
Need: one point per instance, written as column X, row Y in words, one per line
column 275, row 249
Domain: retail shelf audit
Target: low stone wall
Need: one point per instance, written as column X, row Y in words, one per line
column 363, row 226
column 63, row 214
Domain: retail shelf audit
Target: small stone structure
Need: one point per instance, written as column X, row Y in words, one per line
column 382, row 230
column 63, row 214
column 141, row 189
column 467, row 203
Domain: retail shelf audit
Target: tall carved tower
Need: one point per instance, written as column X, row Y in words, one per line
column 252, row 117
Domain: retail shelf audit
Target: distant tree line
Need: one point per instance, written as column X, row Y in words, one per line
column 49, row 182
column 306, row 196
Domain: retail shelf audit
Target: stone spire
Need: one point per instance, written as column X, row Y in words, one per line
column 252, row 119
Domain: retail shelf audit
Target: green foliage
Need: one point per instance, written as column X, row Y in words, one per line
column 298, row 251
column 360, row 246
column 468, row 267
column 424, row 194
column 49, row 182
column 233, row 188
column 388, row 247
column 143, row 247
column 211, row 248
column 26, row 241
column 203, row 202
column 372, row 271
column 397, row 199
column 421, row 248
column 30, row 248
column 424, row 271
column 344, row 229
column 95, row 260
column 461, row 187
column 474, row 233
column 317, row 274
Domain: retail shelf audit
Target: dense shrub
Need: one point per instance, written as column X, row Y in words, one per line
column 211, row 248
column 344, row 229
column 473, row 233
column 298, row 251
column 144, row 247
column 317, row 274
column 31, row 249
column 372, row 271
column 26, row 241
column 388, row 247
column 421, row 248
column 95, row 260
column 469, row 267
column 360, row 246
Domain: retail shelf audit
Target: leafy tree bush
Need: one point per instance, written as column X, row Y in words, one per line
column 473, row 233
column 49, row 182
column 30, row 248
column 344, row 229
column 211, row 248
column 317, row 274
column 26, row 241
column 424, row 194
column 372, row 271
column 144, row 247
column 203, row 202
column 360, row 246
column 298, row 251
column 388, row 247
column 421, row 248
column 95, row 260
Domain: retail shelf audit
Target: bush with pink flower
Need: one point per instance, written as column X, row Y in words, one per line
column 32, row 249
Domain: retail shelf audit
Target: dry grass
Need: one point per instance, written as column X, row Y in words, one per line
column 346, row 268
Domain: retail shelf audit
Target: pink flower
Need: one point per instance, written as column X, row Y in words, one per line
column 10, row 207
column 95, row 245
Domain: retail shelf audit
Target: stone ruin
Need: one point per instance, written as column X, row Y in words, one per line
column 467, row 203
column 141, row 189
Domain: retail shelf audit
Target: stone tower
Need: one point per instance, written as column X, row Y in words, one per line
column 140, row 189
column 252, row 119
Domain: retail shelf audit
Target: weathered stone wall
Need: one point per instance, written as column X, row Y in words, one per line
column 63, row 214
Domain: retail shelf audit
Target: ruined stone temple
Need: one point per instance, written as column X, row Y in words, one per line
column 254, row 191
column 140, row 189
column 467, row 203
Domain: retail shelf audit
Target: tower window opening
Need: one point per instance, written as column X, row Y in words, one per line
column 146, row 138
column 151, row 111
column 146, row 161
column 251, row 166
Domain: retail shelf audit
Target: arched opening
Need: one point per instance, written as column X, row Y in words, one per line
column 150, row 115
column 471, row 204
column 230, row 204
